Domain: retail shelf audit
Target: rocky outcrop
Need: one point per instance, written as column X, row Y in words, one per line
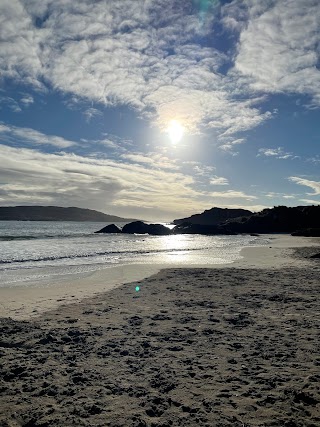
column 112, row 228
column 187, row 228
column 300, row 221
column 214, row 216
column 158, row 230
column 280, row 219
column 135, row 227
column 139, row 227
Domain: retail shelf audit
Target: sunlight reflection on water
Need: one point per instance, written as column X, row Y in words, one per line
column 69, row 248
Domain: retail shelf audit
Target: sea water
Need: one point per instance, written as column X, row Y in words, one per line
column 34, row 250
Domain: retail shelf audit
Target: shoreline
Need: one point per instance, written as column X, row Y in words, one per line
column 24, row 301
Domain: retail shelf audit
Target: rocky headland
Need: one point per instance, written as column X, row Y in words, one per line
column 300, row 221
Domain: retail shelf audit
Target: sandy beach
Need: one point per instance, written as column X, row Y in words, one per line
column 236, row 345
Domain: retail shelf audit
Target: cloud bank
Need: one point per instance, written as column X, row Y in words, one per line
column 14, row 134
column 137, row 53
column 152, row 56
column 31, row 177
column 278, row 49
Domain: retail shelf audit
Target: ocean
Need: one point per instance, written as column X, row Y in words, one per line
column 41, row 250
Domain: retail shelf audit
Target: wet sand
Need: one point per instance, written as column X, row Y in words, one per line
column 32, row 299
column 192, row 347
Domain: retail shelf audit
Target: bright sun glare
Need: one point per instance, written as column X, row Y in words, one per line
column 175, row 131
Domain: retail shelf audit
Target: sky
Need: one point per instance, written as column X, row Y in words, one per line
column 159, row 109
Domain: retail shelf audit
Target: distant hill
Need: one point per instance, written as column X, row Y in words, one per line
column 214, row 216
column 56, row 213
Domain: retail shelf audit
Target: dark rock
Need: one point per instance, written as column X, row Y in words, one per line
column 299, row 220
column 280, row 219
column 109, row 229
column 214, row 216
column 139, row 227
column 158, row 230
column 136, row 227
column 187, row 228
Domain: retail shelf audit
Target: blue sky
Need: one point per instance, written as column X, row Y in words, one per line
column 159, row 109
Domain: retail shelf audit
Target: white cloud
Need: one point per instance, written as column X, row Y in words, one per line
column 154, row 160
column 20, row 44
column 218, row 180
column 273, row 195
column 8, row 102
column 278, row 47
column 312, row 184
column 252, row 208
column 27, row 100
column 117, row 144
column 13, row 105
column 310, row 201
column 143, row 54
column 200, row 169
column 12, row 133
column 136, row 53
column 232, row 194
column 234, row 15
column 315, row 159
column 119, row 187
column 65, row 179
column 229, row 144
column 91, row 112
column 277, row 153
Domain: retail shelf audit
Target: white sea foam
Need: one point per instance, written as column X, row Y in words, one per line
column 35, row 250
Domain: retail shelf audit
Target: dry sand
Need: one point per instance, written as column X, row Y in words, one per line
column 193, row 347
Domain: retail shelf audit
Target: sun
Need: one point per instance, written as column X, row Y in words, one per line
column 175, row 131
